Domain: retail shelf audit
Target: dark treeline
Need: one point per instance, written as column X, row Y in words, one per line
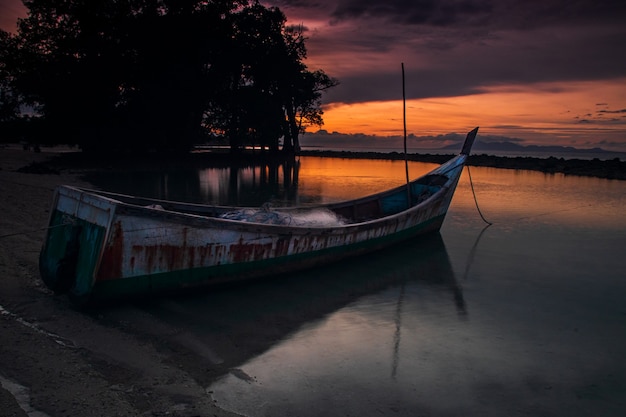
column 139, row 75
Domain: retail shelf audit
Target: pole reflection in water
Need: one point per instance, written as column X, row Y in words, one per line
column 351, row 316
column 398, row 333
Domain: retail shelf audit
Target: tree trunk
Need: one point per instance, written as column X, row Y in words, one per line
column 292, row 132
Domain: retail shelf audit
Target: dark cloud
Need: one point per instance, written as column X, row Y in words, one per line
column 612, row 111
column 496, row 13
column 387, row 86
column 456, row 60
column 360, row 141
column 456, row 47
column 472, row 67
column 463, row 13
column 435, row 12
column 538, row 13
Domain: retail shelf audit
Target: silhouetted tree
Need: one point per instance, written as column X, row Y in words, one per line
column 11, row 121
column 270, row 93
column 146, row 74
column 70, row 65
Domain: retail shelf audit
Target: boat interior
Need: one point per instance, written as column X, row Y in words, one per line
column 353, row 211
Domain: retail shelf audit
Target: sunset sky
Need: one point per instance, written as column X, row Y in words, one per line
column 546, row 72
column 543, row 72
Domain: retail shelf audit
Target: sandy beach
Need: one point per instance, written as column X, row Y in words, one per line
column 62, row 362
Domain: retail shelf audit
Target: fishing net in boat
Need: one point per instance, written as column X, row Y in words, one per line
column 305, row 218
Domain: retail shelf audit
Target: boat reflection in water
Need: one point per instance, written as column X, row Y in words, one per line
column 227, row 327
column 343, row 324
column 249, row 318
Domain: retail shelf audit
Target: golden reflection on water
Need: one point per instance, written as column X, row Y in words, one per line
column 336, row 179
column 503, row 195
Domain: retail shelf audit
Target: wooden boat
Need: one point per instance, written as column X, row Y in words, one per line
column 101, row 245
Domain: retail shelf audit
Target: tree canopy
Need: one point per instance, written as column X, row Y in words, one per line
column 146, row 74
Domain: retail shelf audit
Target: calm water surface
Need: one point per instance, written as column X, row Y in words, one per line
column 524, row 318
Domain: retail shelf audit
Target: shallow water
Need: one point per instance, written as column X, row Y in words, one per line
column 525, row 317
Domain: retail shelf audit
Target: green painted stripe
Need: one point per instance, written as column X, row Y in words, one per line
column 70, row 253
column 91, row 241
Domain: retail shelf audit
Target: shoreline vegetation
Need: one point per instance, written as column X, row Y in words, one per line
column 73, row 160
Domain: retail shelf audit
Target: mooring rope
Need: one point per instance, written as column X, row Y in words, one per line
column 475, row 199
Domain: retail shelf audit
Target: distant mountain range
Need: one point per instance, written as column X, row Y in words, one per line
column 514, row 147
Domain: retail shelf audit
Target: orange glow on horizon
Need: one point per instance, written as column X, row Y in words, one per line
column 570, row 114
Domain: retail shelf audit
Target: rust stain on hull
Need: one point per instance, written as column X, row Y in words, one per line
column 112, row 255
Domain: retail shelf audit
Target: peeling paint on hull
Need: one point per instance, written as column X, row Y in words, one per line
column 219, row 274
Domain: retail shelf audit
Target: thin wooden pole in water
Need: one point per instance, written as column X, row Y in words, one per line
column 406, row 160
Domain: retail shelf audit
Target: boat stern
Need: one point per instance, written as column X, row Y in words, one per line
column 72, row 248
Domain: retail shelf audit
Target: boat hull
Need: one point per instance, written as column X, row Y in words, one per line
column 205, row 275
column 101, row 245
